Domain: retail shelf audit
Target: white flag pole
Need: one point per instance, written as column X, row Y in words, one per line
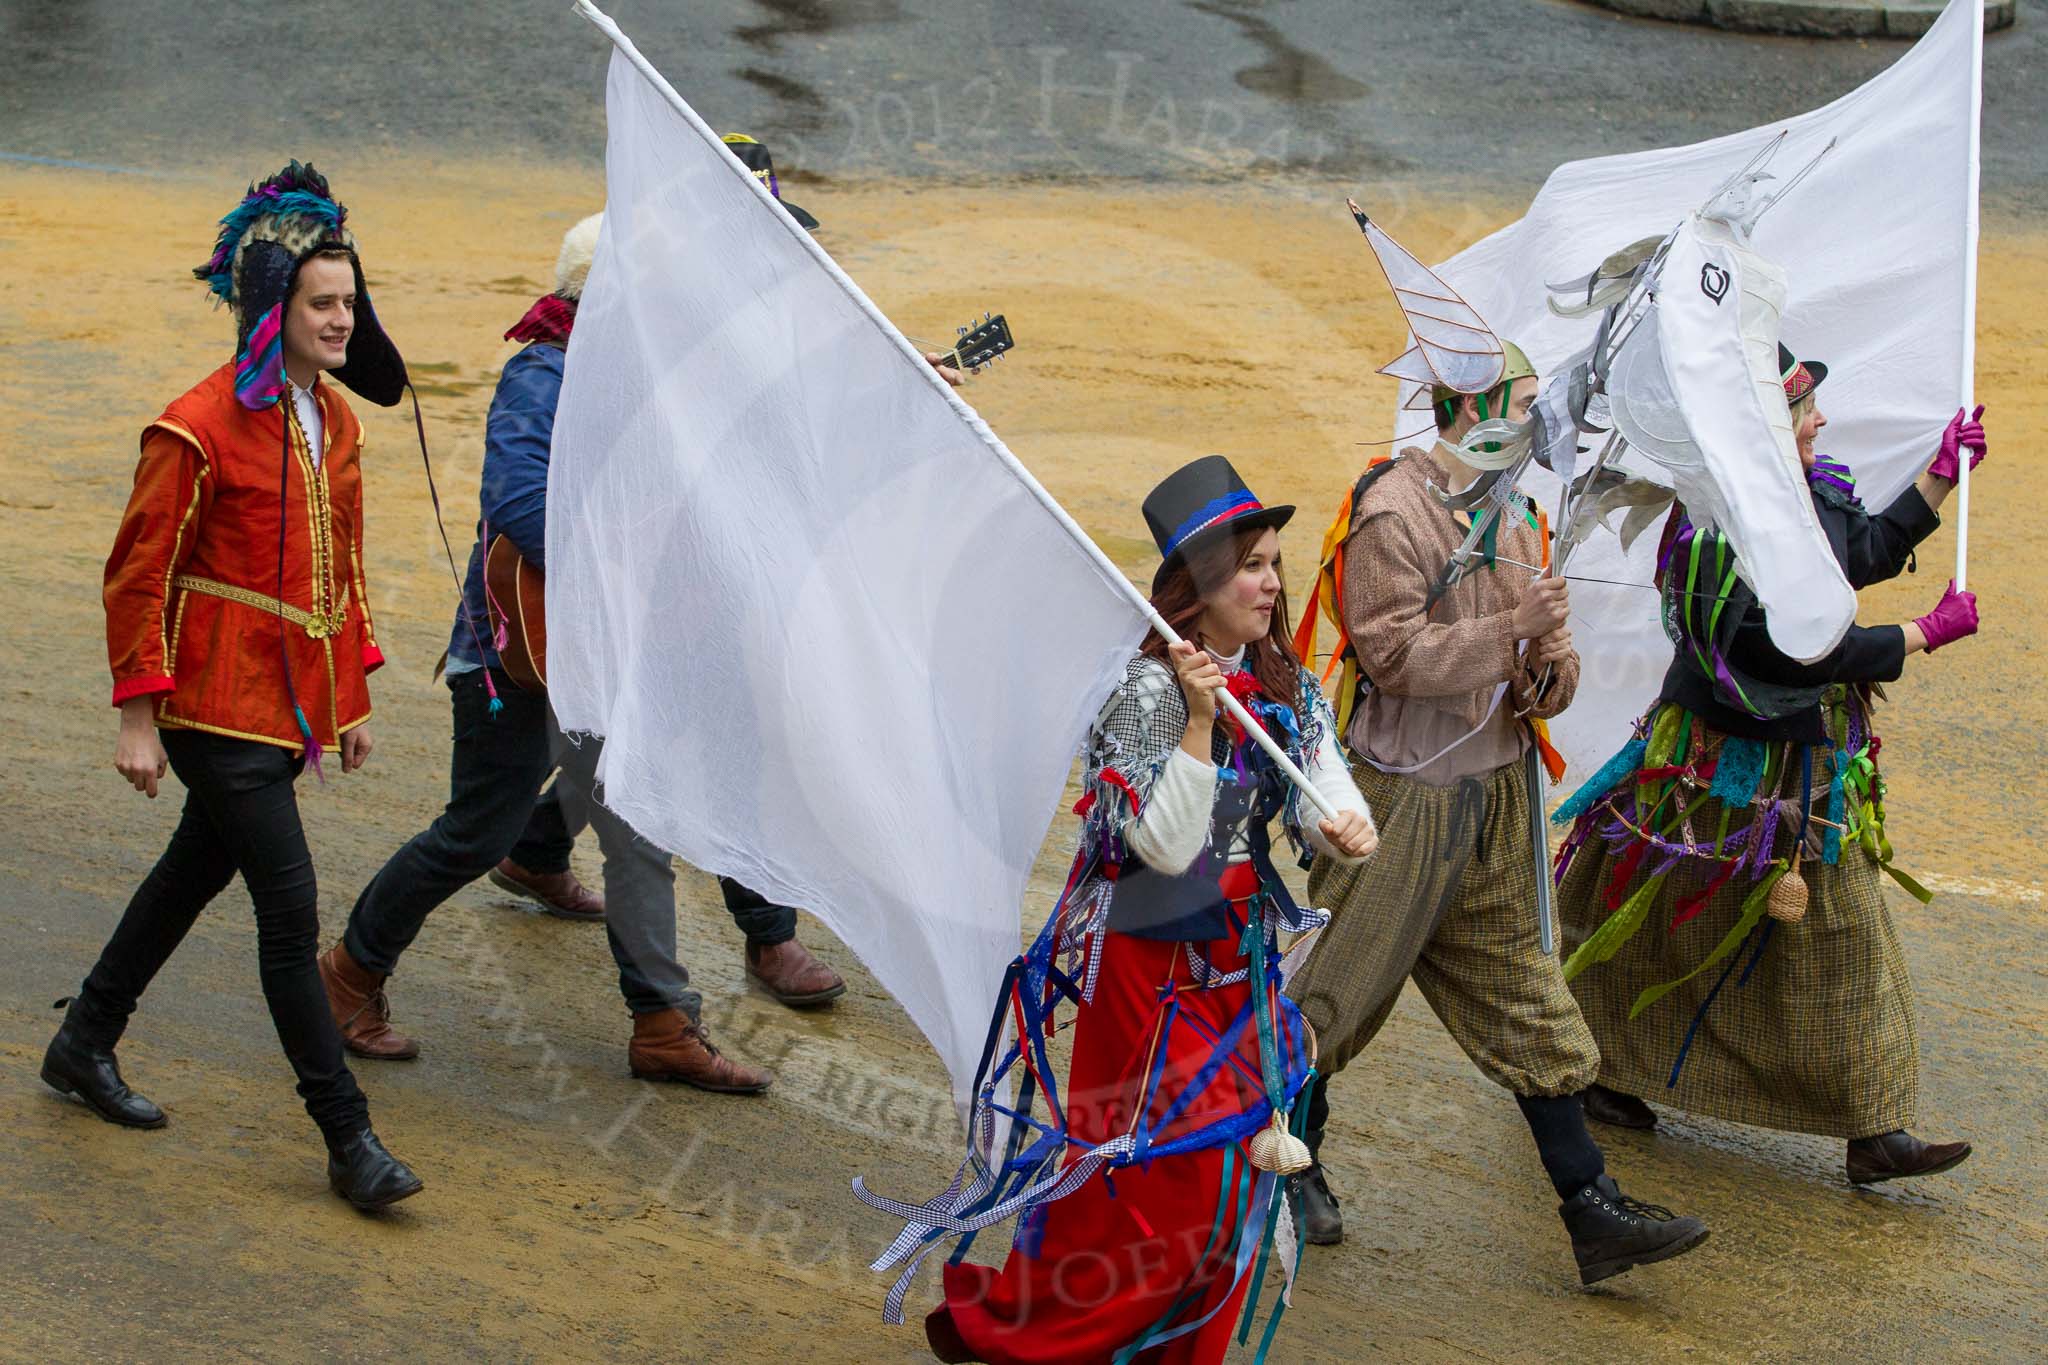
column 1969, row 375
column 1113, row 575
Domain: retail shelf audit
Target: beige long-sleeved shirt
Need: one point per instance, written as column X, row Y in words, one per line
column 1435, row 675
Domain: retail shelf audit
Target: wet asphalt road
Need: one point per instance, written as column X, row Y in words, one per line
column 1495, row 92
column 537, row 1239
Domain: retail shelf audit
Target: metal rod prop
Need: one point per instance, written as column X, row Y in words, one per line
column 1539, row 837
column 1969, row 368
column 1110, row 573
column 1571, row 537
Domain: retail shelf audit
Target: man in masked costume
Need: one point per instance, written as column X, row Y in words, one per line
column 1455, row 651
column 1721, row 882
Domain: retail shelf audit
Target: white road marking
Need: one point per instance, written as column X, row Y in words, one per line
column 1986, row 888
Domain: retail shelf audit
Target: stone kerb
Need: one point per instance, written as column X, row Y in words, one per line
column 1811, row 18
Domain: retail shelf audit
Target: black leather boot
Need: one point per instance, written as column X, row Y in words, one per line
column 1616, row 1109
column 366, row 1175
column 1612, row 1232
column 1321, row 1223
column 78, row 1064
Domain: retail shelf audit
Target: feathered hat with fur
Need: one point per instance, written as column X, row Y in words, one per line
column 256, row 258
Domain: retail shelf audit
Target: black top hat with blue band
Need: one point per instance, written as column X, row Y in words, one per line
column 1201, row 501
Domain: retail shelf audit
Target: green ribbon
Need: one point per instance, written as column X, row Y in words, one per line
column 1254, row 947
column 1618, row 929
column 1752, row 911
column 1185, row 1301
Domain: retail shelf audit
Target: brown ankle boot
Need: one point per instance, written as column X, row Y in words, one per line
column 789, row 972
column 356, row 995
column 1893, row 1156
column 558, row 893
column 669, row 1046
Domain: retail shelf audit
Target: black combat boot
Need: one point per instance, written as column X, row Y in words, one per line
column 80, row 1061
column 1321, row 1223
column 1612, row 1232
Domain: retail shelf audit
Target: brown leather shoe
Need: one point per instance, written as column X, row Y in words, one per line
column 790, row 973
column 558, row 893
column 1893, row 1156
column 1617, row 1109
column 356, row 995
column 669, row 1046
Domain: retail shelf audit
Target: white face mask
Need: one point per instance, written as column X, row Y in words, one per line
column 1496, row 443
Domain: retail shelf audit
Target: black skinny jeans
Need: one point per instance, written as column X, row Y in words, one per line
column 241, row 815
column 494, row 773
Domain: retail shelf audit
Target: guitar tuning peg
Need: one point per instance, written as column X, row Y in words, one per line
column 960, row 331
column 988, row 317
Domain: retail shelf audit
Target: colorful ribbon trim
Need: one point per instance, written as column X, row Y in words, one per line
column 1229, row 507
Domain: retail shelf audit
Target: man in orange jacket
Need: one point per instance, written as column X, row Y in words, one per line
column 240, row 638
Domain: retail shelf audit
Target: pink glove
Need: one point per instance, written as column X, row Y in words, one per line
column 1953, row 619
column 1959, row 434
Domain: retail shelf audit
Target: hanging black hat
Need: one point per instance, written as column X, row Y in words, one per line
column 262, row 243
column 1199, row 502
column 754, row 156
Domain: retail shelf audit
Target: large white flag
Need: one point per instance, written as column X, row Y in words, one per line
column 1879, row 245
column 836, row 643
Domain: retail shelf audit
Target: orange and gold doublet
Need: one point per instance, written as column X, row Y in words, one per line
column 202, row 614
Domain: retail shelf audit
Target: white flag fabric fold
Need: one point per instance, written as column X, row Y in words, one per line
column 838, row 646
column 1879, row 248
column 1696, row 390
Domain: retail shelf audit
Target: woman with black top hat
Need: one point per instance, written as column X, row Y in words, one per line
column 240, row 637
column 1165, row 1149
column 1742, row 833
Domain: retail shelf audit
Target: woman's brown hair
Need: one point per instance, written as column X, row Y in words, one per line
column 1177, row 595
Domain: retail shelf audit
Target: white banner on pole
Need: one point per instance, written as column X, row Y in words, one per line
column 839, row 643
column 1879, row 245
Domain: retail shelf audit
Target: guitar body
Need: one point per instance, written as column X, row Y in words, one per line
column 517, row 594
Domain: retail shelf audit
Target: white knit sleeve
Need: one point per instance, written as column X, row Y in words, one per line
column 1175, row 823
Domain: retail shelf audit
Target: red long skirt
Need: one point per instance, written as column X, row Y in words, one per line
column 1122, row 1250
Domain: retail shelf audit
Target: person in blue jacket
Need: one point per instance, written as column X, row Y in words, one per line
column 505, row 744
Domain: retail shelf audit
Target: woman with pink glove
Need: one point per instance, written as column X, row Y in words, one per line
column 1720, row 888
